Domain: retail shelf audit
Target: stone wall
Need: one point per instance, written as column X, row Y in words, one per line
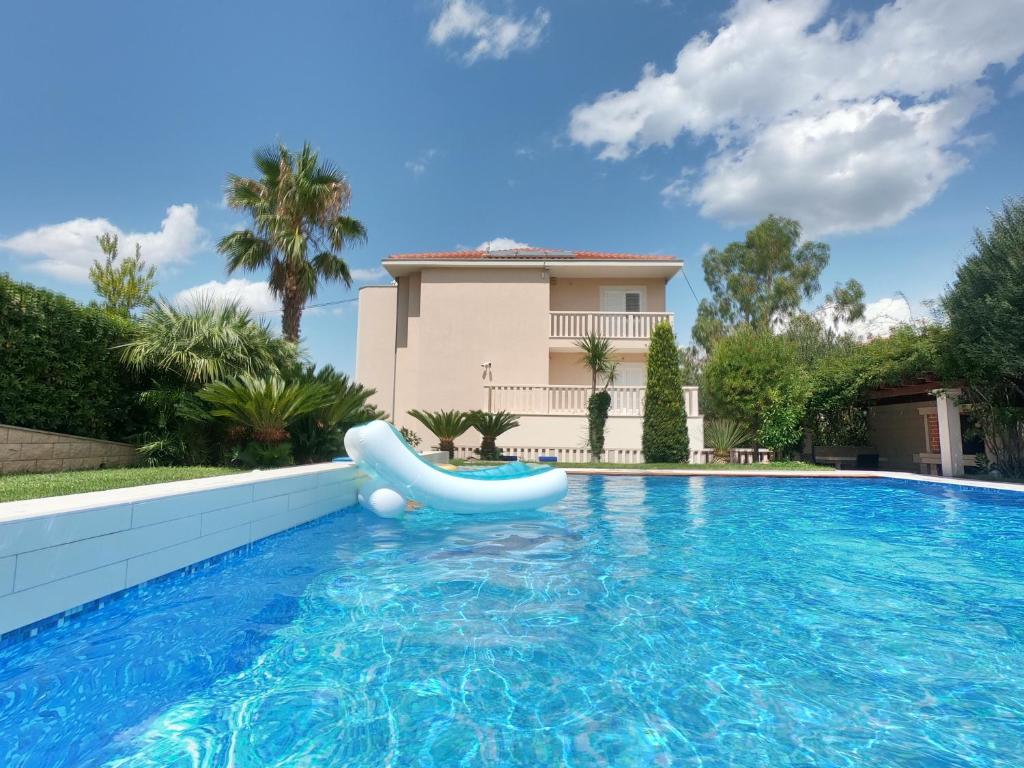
column 33, row 450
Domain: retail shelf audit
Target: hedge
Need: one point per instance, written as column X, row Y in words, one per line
column 58, row 368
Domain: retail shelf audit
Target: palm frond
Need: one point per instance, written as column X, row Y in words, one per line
column 266, row 406
column 446, row 425
column 203, row 341
column 298, row 230
column 492, row 425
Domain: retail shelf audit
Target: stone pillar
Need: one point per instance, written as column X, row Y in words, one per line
column 950, row 440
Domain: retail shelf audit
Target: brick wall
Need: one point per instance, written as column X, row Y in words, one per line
column 932, row 423
column 32, row 450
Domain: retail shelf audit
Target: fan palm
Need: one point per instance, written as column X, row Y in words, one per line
column 447, row 426
column 298, row 230
column 204, row 341
column 599, row 357
column 491, row 426
column 263, row 408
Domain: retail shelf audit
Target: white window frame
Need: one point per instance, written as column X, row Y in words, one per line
column 607, row 290
column 633, row 366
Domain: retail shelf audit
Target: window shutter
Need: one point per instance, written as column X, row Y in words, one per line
column 632, row 302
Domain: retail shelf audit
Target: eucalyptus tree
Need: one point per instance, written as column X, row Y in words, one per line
column 298, row 228
column 761, row 281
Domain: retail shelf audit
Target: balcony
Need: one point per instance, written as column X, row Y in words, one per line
column 571, row 400
column 616, row 326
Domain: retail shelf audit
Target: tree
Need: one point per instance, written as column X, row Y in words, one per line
column 665, row 437
column 599, row 357
column 447, row 426
column 180, row 349
column 298, row 228
column 491, row 426
column 204, row 341
column 743, row 370
column 126, row 285
column 763, row 280
column 985, row 307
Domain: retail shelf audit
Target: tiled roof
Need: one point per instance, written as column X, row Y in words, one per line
column 521, row 254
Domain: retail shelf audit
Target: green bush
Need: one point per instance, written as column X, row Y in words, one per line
column 743, row 370
column 59, row 369
column 665, row 437
column 782, row 423
column 597, row 415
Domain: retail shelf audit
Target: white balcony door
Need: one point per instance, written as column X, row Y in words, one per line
column 623, row 299
column 631, row 375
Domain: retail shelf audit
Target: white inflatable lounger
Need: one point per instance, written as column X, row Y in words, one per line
column 399, row 473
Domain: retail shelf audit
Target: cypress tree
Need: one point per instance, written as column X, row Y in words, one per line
column 665, row 437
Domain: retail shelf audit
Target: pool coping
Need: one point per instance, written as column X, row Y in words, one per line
column 840, row 474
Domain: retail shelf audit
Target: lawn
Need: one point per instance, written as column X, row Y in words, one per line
column 794, row 466
column 20, row 487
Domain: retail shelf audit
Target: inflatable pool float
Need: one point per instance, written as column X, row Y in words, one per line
column 399, row 474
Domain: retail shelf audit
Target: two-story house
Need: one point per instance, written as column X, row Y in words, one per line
column 497, row 330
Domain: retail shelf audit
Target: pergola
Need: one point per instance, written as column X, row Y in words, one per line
column 940, row 410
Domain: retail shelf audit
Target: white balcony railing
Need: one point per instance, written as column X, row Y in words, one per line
column 611, row 325
column 571, row 400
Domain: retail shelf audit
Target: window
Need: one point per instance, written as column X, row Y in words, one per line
column 623, row 299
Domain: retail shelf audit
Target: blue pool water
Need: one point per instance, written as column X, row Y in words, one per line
column 642, row 622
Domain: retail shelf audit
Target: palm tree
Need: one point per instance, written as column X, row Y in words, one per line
column 263, row 408
column 491, row 426
column 204, row 341
column 447, row 426
column 298, row 230
column 598, row 356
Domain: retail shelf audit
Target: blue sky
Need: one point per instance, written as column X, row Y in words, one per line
column 664, row 127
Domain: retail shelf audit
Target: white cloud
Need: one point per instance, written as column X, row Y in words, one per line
column 1018, row 86
column 419, row 165
column 880, row 318
column 364, row 274
column 500, row 244
column 491, row 35
column 249, row 293
column 844, row 123
column 68, row 249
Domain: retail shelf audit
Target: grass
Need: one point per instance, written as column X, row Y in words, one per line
column 793, row 466
column 37, row 486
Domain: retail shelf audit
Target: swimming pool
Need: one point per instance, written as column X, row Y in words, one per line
column 641, row 622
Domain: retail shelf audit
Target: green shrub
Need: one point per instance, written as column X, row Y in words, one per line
column 597, row 415
column 743, row 370
column 782, row 423
column 58, row 367
column 665, row 437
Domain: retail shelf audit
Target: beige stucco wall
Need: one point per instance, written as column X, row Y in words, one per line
column 451, row 320
column 33, row 450
column 573, row 294
column 375, row 343
column 568, row 367
column 898, row 432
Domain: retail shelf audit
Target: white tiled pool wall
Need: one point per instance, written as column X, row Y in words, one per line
column 55, row 561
